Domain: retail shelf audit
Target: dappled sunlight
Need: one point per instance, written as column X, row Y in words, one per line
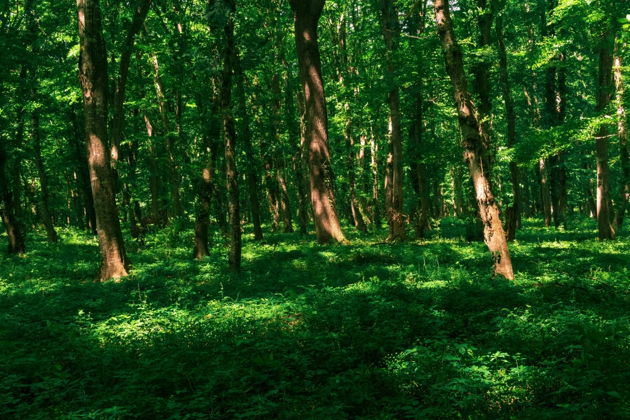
column 408, row 329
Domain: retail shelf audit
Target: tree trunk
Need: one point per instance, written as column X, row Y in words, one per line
column 276, row 160
column 251, row 172
column 481, row 72
column 118, row 121
column 604, row 90
column 545, row 192
column 297, row 139
column 622, row 133
column 9, row 212
column 394, row 173
column 229, row 137
column 494, row 235
column 513, row 210
column 306, row 15
column 173, row 172
column 374, row 205
column 345, row 74
column 44, row 207
column 83, row 174
column 93, row 77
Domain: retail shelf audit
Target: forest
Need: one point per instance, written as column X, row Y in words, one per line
column 342, row 209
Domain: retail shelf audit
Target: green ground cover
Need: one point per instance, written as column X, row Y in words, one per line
column 367, row 330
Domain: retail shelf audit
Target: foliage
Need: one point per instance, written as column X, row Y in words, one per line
column 369, row 330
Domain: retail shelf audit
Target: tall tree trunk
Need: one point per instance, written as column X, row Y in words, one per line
column 173, row 172
column 93, row 77
column 622, row 133
column 604, row 91
column 44, row 207
column 246, row 137
column 374, row 205
column 297, row 140
column 394, row 173
column 494, row 235
column 282, row 197
column 481, row 73
column 229, row 137
column 345, row 74
column 118, row 121
column 545, row 192
column 306, row 14
column 513, row 210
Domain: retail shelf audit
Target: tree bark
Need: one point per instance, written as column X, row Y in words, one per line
column 44, row 207
column 93, row 77
column 306, row 14
column 474, row 149
column 604, row 91
column 394, row 173
column 229, row 137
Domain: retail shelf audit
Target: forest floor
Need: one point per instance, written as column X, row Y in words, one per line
column 367, row 330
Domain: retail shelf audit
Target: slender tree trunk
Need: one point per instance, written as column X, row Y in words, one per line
column 229, row 137
column 416, row 134
column 375, row 210
column 118, row 121
column 299, row 165
column 494, row 235
column 173, row 172
column 83, row 174
column 277, row 160
column 604, row 90
column 394, row 173
column 481, row 73
column 345, row 74
column 298, row 140
column 9, row 212
column 545, row 194
column 93, row 76
column 458, row 191
column 251, row 173
column 513, row 210
column 622, row 133
column 44, row 207
column 306, row 15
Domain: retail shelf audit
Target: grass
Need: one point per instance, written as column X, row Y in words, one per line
column 363, row 331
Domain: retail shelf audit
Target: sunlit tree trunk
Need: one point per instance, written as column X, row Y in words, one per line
column 604, row 91
column 93, row 77
column 473, row 144
column 306, row 15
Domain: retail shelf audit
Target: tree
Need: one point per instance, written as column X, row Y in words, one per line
column 473, row 144
column 394, row 173
column 306, row 14
column 93, row 78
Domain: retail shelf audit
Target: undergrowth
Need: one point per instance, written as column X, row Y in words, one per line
column 366, row 330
